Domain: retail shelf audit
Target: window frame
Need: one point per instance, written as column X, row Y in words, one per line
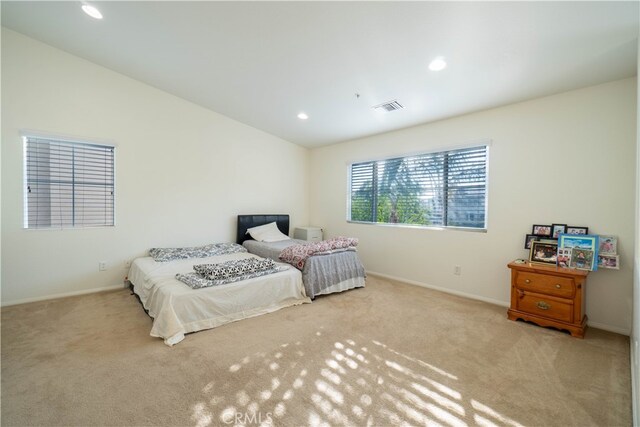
column 479, row 143
column 27, row 134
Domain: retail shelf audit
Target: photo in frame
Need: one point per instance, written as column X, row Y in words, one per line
column 557, row 229
column 541, row 230
column 582, row 259
column 528, row 239
column 608, row 245
column 543, row 253
column 609, row 261
column 577, row 230
column 581, row 241
column 564, row 257
column 575, row 242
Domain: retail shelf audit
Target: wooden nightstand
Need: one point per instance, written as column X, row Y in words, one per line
column 549, row 296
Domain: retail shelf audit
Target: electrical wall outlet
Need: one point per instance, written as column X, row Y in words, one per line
column 457, row 270
column 102, row 265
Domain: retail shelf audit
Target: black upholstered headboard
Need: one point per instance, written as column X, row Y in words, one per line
column 247, row 221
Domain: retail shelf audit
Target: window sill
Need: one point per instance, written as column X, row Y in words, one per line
column 421, row 227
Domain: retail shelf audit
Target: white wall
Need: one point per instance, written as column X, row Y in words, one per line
column 635, row 329
column 567, row 158
column 182, row 172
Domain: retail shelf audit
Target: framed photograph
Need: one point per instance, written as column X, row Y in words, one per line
column 541, row 230
column 577, row 230
column 580, row 241
column 608, row 245
column 543, row 253
column 564, row 257
column 528, row 239
column 557, row 229
column 609, row 261
column 589, row 242
column 582, row 259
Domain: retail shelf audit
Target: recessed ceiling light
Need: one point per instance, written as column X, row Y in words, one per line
column 303, row 116
column 92, row 11
column 438, row 64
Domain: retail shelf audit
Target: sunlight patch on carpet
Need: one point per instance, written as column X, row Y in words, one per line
column 349, row 383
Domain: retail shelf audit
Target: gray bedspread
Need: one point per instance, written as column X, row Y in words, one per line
column 321, row 273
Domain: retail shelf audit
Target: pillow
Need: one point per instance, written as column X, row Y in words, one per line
column 267, row 233
column 171, row 254
column 233, row 268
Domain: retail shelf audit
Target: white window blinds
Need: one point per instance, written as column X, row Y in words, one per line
column 445, row 189
column 68, row 184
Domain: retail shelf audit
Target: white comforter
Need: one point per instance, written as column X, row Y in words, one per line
column 177, row 309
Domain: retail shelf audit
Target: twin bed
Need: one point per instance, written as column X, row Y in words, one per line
column 321, row 274
column 177, row 309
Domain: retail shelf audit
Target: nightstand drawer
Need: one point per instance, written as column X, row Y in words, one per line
column 546, row 284
column 545, row 307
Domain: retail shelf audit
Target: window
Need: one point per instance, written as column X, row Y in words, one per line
column 444, row 189
column 68, row 184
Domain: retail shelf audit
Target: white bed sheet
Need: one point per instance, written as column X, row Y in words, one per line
column 177, row 309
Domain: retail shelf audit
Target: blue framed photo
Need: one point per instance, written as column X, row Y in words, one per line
column 589, row 242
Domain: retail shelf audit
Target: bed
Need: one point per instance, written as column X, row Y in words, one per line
column 322, row 274
column 177, row 309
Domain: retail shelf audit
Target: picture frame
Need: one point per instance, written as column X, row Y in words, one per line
column 557, row 229
column 580, row 241
column 543, row 253
column 608, row 245
column 528, row 239
column 541, row 230
column 609, row 261
column 590, row 242
column 564, row 257
column 582, row 259
column 571, row 229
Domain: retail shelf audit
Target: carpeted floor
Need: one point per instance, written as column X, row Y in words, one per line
column 388, row 354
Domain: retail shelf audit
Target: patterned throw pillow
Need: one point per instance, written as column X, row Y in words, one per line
column 171, row 254
column 196, row 281
column 233, row 268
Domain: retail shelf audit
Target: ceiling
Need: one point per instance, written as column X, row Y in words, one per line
column 262, row 63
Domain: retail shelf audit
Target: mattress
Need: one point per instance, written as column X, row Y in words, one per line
column 177, row 309
column 322, row 274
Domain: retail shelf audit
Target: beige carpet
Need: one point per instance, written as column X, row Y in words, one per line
column 389, row 354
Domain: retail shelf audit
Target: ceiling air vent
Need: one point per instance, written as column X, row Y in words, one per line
column 388, row 106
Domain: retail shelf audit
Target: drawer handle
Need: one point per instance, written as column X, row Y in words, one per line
column 543, row 305
column 527, row 281
column 558, row 286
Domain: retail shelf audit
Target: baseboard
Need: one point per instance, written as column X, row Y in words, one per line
column 635, row 397
column 62, row 295
column 604, row 327
column 438, row 288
